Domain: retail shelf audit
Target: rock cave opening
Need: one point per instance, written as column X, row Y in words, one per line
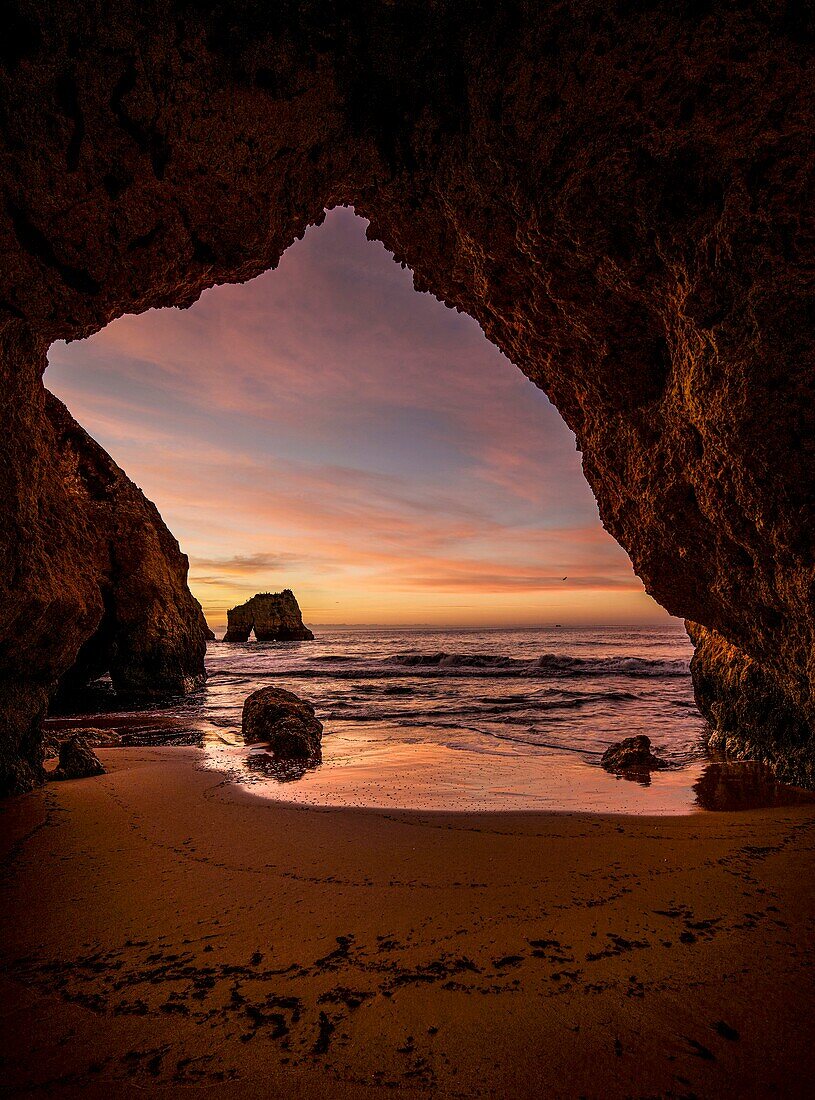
column 326, row 427
column 384, row 856
column 627, row 235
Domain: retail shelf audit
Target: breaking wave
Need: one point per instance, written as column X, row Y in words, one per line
column 548, row 663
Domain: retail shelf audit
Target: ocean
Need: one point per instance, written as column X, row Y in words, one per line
column 487, row 690
column 450, row 719
column 460, row 720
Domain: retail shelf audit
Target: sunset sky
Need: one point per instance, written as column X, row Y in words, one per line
column 328, row 429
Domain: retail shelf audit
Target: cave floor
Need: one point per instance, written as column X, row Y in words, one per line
column 163, row 928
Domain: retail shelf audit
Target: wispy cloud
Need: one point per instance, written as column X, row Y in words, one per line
column 249, row 563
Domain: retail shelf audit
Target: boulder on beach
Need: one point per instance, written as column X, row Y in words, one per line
column 77, row 760
column 274, row 617
column 632, row 754
column 53, row 739
column 284, row 722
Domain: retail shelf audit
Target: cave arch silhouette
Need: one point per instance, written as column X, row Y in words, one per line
column 620, row 197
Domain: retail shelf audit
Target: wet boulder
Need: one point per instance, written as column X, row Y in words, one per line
column 284, row 722
column 77, row 760
column 632, row 754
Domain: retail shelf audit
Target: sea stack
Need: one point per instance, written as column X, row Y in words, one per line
column 274, row 617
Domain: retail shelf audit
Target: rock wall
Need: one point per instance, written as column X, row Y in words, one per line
column 620, row 194
column 152, row 635
column 750, row 715
column 274, row 617
column 92, row 582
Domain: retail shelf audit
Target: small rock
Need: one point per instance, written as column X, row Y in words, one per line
column 77, row 761
column 97, row 737
column 54, row 738
column 283, row 721
column 632, row 754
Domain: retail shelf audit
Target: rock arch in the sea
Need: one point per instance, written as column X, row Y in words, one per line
column 620, row 194
column 273, row 616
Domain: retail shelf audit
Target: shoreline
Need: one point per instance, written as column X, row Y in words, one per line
column 164, row 928
column 390, row 768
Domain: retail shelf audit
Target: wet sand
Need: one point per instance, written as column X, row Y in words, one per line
column 382, row 769
column 163, row 927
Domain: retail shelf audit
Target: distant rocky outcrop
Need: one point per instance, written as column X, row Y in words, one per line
column 274, row 617
column 632, row 754
column 284, row 722
column 77, row 761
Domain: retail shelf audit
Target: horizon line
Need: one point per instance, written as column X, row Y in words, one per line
column 674, row 620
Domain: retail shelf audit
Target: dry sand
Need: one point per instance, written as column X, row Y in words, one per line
column 164, row 929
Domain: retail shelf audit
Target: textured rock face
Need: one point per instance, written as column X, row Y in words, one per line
column 284, row 722
column 77, row 761
column 749, row 713
column 93, row 582
column 274, row 617
column 619, row 193
column 152, row 632
column 631, row 754
column 54, row 739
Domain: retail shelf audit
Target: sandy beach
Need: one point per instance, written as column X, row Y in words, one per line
column 163, row 928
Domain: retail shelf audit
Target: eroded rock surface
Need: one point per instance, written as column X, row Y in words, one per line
column 93, row 583
column 152, row 632
column 284, row 722
column 749, row 710
column 90, row 735
column 631, row 754
column 620, row 194
column 77, row 761
column 274, row 617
